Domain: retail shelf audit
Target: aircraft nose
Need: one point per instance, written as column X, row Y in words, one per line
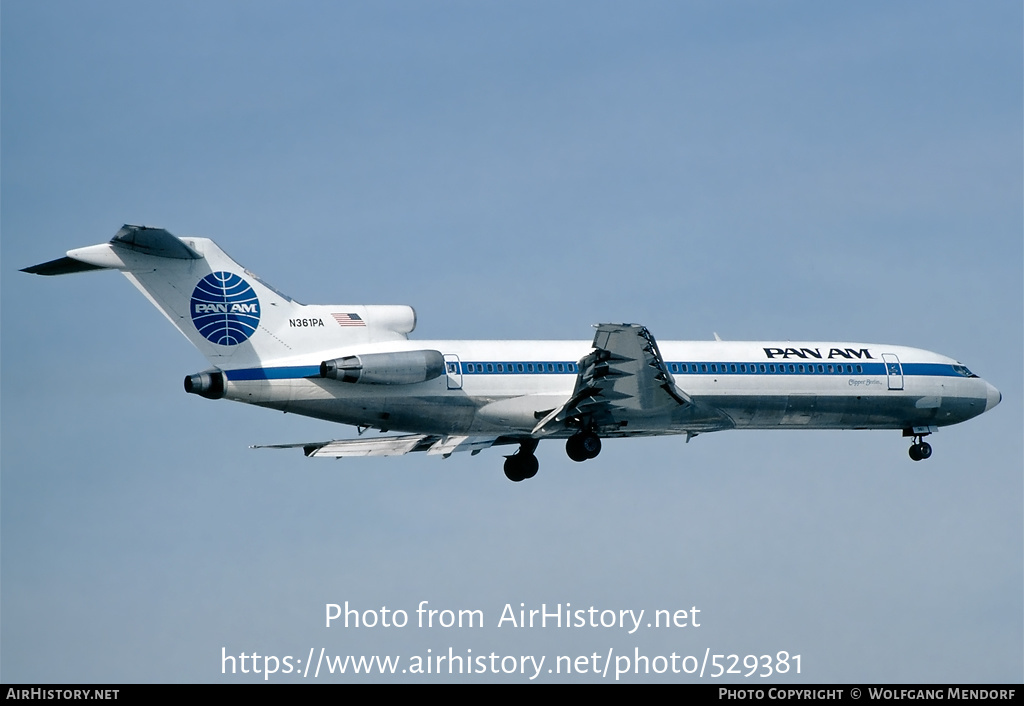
column 994, row 396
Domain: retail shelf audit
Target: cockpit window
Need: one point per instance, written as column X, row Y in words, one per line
column 962, row 370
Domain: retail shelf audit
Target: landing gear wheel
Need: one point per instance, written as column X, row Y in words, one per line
column 574, row 449
column 520, row 466
column 582, row 446
column 512, row 470
column 921, row 451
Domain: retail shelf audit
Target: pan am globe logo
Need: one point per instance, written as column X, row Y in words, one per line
column 225, row 309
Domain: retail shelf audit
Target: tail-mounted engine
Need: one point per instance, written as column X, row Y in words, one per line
column 209, row 385
column 399, row 368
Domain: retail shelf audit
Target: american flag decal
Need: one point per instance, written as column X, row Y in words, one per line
column 348, row 320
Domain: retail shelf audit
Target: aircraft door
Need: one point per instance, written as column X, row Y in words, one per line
column 893, row 371
column 453, row 369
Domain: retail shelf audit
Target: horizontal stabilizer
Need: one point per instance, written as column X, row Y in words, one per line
column 153, row 241
column 62, row 266
column 139, row 240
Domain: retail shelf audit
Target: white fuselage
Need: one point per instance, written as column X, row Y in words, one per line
column 355, row 364
column 505, row 387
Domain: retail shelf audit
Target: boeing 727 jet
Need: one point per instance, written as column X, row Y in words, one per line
column 355, row 364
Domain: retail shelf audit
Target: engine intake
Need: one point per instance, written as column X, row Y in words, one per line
column 399, row 368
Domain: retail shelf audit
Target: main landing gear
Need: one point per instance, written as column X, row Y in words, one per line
column 583, row 445
column 522, row 464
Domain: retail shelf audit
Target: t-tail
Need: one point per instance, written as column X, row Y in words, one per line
column 234, row 318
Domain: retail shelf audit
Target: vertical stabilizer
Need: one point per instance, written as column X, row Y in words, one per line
column 228, row 313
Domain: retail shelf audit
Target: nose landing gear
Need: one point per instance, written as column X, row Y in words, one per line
column 921, row 449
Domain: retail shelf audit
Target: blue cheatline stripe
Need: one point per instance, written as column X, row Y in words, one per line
column 533, row 367
column 293, row 371
column 938, row 369
column 679, row 369
column 716, row 368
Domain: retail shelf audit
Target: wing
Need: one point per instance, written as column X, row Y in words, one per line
column 623, row 379
column 433, row 444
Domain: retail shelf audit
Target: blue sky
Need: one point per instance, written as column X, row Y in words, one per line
column 512, row 170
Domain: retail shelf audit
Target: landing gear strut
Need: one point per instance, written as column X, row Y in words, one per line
column 583, row 445
column 921, row 449
column 522, row 464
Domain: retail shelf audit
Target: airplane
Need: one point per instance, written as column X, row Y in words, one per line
column 355, row 364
